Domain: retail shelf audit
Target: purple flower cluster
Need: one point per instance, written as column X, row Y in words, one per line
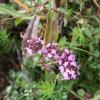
column 67, row 65
column 50, row 50
column 65, row 60
column 32, row 45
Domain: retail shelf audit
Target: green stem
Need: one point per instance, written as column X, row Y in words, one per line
column 72, row 92
column 84, row 51
column 75, row 48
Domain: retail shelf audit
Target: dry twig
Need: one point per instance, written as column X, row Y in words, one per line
column 96, row 4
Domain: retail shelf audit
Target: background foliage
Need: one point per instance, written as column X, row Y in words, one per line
column 80, row 32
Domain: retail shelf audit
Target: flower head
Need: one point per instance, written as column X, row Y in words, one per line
column 32, row 45
column 50, row 50
column 68, row 68
column 64, row 58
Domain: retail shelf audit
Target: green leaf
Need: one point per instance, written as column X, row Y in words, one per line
column 36, row 58
column 69, row 14
column 5, row 41
column 10, row 11
column 81, row 92
column 18, row 21
column 46, row 88
column 62, row 10
column 8, row 89
column 62, row 41
column 88, row 33
column 75, row 35
column 96, row 96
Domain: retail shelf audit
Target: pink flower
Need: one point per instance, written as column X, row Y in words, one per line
column 73, row 63
column 66, row 50
column 65, row 75
column 71, row 57
column 65, row 64
column 61, row 68
column 73, row 76
column 49, row 55
column 29, row 51
column 56, row 57
column 53, row 51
